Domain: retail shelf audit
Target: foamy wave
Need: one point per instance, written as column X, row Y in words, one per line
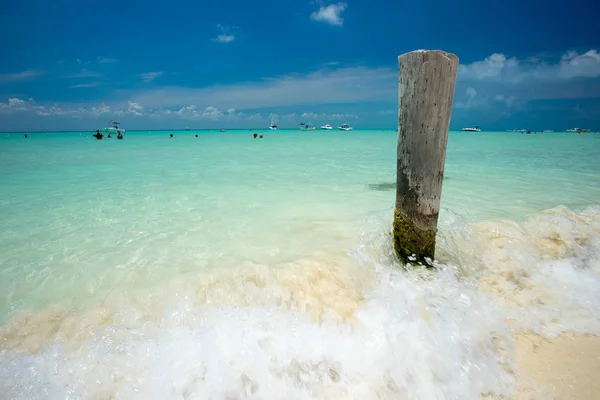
column 325, row 326
column 545, row 272
column 385, row 335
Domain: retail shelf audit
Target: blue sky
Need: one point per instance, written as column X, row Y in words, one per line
column 69, row 65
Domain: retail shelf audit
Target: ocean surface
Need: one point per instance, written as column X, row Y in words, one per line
column 227, row 267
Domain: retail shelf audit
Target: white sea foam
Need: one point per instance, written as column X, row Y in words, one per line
column 326, row 326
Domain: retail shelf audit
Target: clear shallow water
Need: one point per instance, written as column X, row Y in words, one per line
column 229, row 266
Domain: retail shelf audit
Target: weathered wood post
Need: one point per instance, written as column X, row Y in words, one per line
column 425, row 93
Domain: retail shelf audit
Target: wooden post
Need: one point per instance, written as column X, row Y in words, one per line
column 426, row 90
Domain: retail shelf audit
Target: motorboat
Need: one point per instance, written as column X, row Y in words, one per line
column 327, row 127
column 472, row 129
column 306, row 127
column 273, row 126
column 114, row 128
column 345, row 127
column 578, row 130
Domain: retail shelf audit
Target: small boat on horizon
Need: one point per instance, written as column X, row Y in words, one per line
column 578, row 130
column 345, row 127
column 114, row 128
column 327, row 127
column 306, row 127
column 474, row 128
column 273, row 125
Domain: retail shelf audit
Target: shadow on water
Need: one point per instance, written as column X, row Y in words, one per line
column 385, row 186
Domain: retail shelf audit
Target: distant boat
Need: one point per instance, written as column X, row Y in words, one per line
column 114, row 128
column 186, row 129
column 472, row 129
column 221, row 130
column 578, row 130
column 548, row 131
column 306, row 127
column 345, row 127
column 327, row 127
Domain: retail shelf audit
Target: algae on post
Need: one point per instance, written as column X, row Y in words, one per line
column 412, row 245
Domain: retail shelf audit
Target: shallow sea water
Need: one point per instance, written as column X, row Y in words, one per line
column 229, row 267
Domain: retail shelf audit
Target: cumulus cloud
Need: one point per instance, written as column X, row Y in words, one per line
column 471, row 94
column 330, row 14
column 225, row 36
column 17, row 105
column 135, row 108
column 498, row 67
column 150, row 76
column 510, row 82
column 326, row 116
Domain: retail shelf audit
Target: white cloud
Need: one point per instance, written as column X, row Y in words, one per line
column 18, row 105
column 337, row 86
column 306, row 115
column 20, row 76
column 212, row 113
column 330, row 14
column 105, row 60
column 79, row 61
column 86, row 85
column 102, row 109
column 498, row 67
column 325, row 116
column 470, row 101
column 150, row 76
column 135, row 108
column 15, row 102
column 226, row 36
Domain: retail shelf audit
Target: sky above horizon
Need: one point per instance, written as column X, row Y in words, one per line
column 69, row 65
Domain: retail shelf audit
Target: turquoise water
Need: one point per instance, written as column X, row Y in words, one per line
column 224, row 265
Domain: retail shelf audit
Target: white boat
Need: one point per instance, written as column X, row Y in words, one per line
column 114, row 128
column 345, row 127
column 327, row 127
column 472, row 129
column 273, row 126
column 578, row 130
column 306, row 127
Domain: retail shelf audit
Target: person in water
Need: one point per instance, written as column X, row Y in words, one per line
column 171, row 135
column 261, row 136
column 25, row 136
column 109, row 137
column 196, row 135
column 98, row 135
column 255, row 135
column 119, row 135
